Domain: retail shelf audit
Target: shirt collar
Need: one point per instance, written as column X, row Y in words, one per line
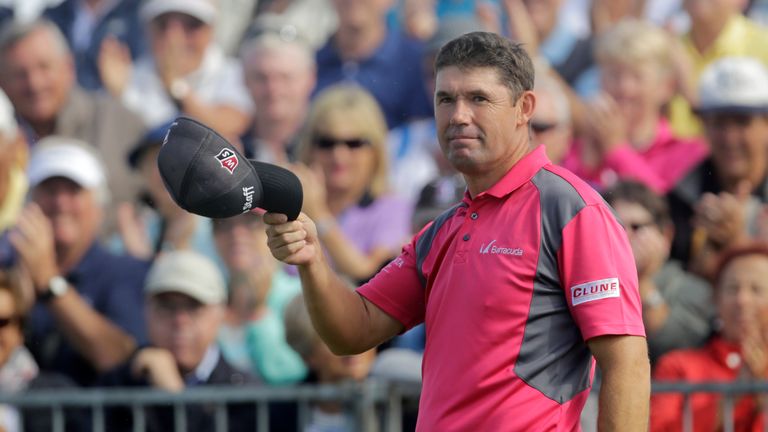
column 204, row 370
column 520, row 173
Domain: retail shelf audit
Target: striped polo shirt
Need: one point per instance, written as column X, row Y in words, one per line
column 510, row 284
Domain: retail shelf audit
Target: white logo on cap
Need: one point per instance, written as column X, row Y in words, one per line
column 228, row 160
column 248, row 194
column 168, row 132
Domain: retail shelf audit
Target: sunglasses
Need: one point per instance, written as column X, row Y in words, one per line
column 5, row 322
column 539, row 127
column 327, row 143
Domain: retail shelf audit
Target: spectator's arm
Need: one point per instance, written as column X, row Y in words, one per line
column 158, row 367
column 227, row 120
column 98, row 340
column 626, row 385
column 347, row 258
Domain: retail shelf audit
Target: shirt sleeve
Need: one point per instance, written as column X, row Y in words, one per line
column 397, row 289
column 598, row 272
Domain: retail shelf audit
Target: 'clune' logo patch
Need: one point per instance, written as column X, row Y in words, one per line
column 490, row 248
column 248, row 194
column 228, row 159
column 595, row 290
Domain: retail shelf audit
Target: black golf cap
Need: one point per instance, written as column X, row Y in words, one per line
column 207, row 176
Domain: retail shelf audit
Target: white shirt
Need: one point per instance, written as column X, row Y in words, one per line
column 219, row 80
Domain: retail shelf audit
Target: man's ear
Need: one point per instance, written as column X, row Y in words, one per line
column 527, row 103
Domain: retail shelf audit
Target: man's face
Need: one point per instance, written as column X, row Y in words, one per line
column 478, row 120
column 280, row 82
column 361, row 13
column 331, row 368
column 241, row 242
column 639, row 90
column 550, row 129
column 182, row 37
column 74, row 212
column 742, row 296
column 544, row 14
column 37, row 75
column 183, row 326
column 707, row 10
column 739, row 143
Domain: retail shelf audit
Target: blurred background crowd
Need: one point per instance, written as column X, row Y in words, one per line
column 661, row 105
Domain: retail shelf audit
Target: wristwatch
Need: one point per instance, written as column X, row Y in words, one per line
column 57, row 286
column 179, row 90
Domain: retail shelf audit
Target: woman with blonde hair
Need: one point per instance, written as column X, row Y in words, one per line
column 345, row 177
column 624, row 134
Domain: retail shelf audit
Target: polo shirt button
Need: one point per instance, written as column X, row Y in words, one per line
column 473, row 216
column 466, row 237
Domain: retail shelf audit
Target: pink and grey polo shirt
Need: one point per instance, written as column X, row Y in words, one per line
column 510, row 285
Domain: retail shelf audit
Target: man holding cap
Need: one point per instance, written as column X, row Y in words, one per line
column 718, row 204
column 88, row 316
column 185, row 298
column 187, row 72
column 522, row 286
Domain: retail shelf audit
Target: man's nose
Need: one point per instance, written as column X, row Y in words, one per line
column 461, row 114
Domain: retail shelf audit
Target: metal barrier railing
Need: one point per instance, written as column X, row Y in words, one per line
column 728, row 390
column 360, row 399
column 383, row 400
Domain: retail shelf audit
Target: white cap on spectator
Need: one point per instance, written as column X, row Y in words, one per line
column 734, row 85
column 204, row 10
column 188, row 273
column 57, row 156
column 8, row 125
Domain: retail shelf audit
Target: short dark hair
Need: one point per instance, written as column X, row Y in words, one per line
column 638, row 193
column 485, row 49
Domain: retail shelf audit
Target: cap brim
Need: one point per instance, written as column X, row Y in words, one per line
column 281, row 189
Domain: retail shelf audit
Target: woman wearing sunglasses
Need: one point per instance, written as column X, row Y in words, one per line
column 345, row 178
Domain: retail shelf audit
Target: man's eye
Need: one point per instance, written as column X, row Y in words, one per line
column 479, row 99
column 444, row 99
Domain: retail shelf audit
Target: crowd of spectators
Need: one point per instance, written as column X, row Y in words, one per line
column 662, row 106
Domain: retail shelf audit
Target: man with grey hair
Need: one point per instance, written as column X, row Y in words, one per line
column 88, row 314
column 280, row 75
column 37, row 73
